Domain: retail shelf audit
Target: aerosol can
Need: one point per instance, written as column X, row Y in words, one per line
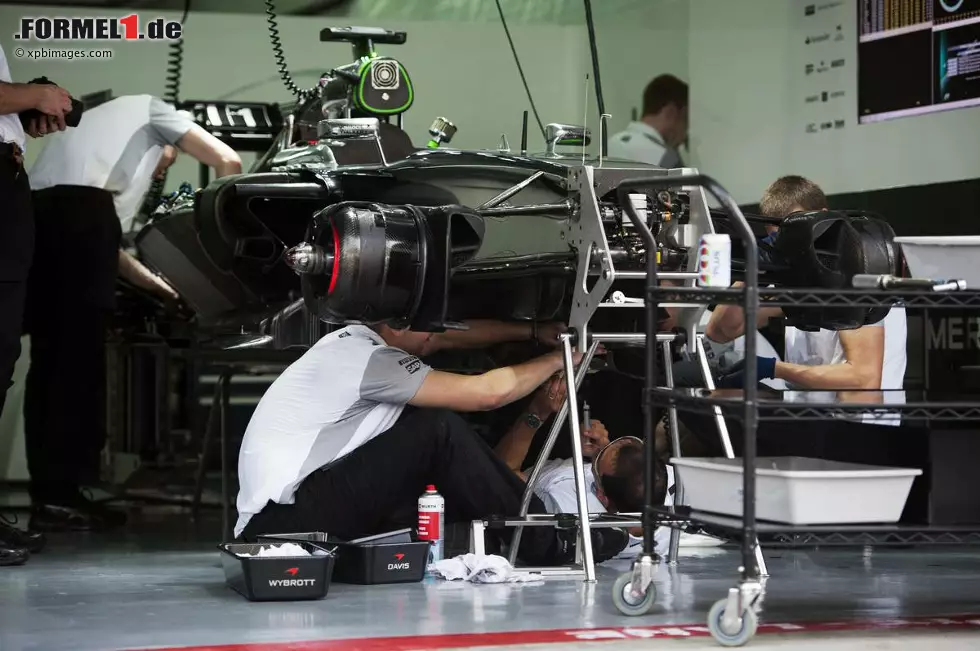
column 432, row 509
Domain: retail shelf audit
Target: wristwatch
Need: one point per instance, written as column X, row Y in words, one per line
column 533, row 421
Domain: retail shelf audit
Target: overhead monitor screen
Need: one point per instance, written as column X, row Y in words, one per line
column 917, row 57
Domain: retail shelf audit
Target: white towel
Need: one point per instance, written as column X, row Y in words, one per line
column 478, row 568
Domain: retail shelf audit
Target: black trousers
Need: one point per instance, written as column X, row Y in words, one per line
column 70, row 298
column 376, row 488
column 16, row 252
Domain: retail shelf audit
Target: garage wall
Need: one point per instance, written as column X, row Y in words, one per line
column 750, row 116
column 458, row 58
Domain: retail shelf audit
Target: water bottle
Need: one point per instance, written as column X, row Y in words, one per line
column 432, row 509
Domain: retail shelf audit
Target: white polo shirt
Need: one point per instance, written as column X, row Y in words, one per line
column 824, row 347
column 344, row 391
column 11, row 130
column 642, row 143
column 116, row 147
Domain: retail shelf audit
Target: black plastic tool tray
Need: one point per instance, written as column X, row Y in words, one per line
column 386, row 558
column 277, row 578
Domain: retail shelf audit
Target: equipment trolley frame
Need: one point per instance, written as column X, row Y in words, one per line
column 733, row 620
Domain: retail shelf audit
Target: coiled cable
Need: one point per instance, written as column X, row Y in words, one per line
column 175, row 73
column 280, row 55
column 175, row 62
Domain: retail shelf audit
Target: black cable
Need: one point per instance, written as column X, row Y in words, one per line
column 175, row 73
column 279, row 53
column 594, row 49
column 175, row 62
column 520, row 69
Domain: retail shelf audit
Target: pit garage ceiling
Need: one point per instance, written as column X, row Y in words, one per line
column 552, row 12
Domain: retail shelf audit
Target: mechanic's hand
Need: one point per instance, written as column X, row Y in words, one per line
column 548, row 333
column 549, row 397
column 53, row 100
column 46, row 124
column 594, row 438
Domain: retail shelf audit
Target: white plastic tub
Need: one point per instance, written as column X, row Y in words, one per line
column 799, row 490
column 943, row 257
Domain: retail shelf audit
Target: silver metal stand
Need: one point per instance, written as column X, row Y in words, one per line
column 726, row 440
column 586, row 520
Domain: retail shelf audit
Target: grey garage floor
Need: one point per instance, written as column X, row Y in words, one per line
column 162, row 587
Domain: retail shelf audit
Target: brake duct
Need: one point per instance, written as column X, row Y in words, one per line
column 372, row 263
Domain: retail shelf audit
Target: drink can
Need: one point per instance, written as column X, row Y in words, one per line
column 432, row 510
column 715, row 260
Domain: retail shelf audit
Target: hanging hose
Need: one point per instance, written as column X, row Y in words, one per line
column 175, row 62
column 175, row 70
column 280, row 55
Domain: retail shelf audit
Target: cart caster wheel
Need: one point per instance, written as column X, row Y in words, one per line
column 745, row 632
column 629, row 604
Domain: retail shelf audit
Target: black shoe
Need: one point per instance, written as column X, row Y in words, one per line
column 11, row 535
column 113, row 517
column 74, row 512
column 607, row 543
column 56, row 518
column 10, row 556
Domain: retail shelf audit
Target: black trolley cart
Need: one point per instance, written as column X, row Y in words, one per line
column 733, row 620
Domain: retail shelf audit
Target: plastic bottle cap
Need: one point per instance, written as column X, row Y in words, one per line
column 430, row 488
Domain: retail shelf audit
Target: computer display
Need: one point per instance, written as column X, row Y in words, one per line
column 917, row 57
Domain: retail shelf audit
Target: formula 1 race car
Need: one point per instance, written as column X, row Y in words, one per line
column 345, row 220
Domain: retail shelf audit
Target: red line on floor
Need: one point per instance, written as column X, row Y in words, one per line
column 471, row 640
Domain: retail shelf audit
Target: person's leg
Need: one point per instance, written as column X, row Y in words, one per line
column 69, row 303
column 358, row 495
column 16, row 254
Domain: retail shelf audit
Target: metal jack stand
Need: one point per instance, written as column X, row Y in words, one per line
column 585, row 521
column 726, row 440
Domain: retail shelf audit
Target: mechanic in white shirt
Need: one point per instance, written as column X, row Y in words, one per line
column 870, row 357
column 348, row 437
column 88, row 183
column 17, row 239
column 656, row 137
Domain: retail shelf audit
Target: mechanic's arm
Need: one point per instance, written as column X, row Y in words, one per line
column 512, row 448
column 864, row 350
column 727, row 322
column 207, row 149
column 178, row 129
column 487, row 332
column 487, row 391
column 46, row 98
column 137, row 273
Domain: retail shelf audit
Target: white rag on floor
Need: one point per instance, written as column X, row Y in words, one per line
column 285, row 550
column 478, row 568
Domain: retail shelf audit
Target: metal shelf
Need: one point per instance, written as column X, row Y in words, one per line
column 775, row 534
column 771, row 410
column 787, row 297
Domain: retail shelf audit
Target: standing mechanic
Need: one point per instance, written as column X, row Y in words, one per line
column 348, row 437
column 17, row 239
column 87, row 184
column 656, row 138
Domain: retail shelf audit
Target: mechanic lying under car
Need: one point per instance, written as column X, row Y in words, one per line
column 348, row 437
column 613, row 472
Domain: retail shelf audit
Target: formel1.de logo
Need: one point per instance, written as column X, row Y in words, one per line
column 126, row 28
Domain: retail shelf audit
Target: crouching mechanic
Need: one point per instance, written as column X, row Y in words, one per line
column 870, row 357
column 88, row 185
column 821, row 363
column 348, row 437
